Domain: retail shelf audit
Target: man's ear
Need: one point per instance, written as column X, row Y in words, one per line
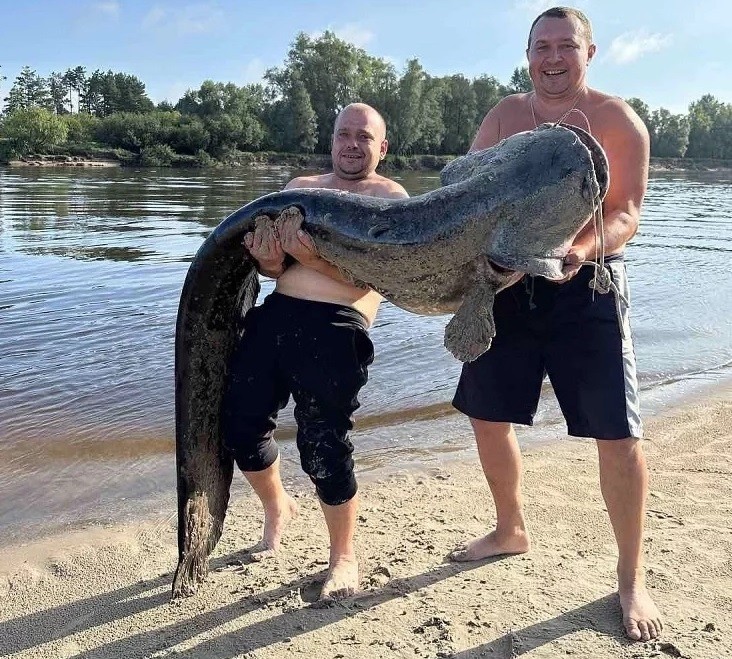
column 591, row 52
column 384, row 147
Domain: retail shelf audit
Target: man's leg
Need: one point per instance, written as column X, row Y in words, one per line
column 500, row 457
column 624, row 484
column 342, row 579
column 279, row 508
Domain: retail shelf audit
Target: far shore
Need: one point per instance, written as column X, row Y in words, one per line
column 392, row 163
column 103, row 592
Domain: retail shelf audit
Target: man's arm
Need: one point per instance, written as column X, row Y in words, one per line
column 264, row 242
column 489, row 133
column 627, row 145
column 298, row 244
column 265, row 247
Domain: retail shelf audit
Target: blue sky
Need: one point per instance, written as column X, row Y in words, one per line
column 668, row 53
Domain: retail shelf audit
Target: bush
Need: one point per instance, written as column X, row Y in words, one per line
column 158, row 155
column 82, row 127
column 203, row 159
column 34, row 130
column 135, row 132
column 7, row 149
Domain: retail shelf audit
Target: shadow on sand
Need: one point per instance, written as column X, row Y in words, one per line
column 56, row 623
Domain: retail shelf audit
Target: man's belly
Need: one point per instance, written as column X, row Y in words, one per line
column 307, row 284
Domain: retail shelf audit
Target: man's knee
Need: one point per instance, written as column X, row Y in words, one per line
column 254, row 455
column 622, row 452
column 336, row 489
column 491, row 431
column 333, row 477
column 326, row 457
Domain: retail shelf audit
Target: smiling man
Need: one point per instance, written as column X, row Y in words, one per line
column 580, row 338
column 308, row 339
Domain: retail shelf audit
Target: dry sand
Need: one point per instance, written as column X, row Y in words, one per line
column 105, row 592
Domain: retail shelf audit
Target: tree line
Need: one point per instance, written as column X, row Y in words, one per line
column 295, row 109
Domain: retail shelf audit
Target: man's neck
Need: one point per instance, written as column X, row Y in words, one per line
column 548, row 109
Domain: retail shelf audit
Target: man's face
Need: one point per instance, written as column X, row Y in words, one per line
column 359, row 143
column 558, row 56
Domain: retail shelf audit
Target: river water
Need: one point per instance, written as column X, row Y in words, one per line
column 91, row 267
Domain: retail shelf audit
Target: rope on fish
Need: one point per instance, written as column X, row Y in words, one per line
column 602, row 281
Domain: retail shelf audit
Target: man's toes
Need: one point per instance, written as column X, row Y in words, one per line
column 632, row 630
column 458, row 555
column 338, row 593
column 654, row 628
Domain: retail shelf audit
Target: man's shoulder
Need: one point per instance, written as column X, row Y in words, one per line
column 385, row 187
column 510, row 103
column 315, row 181
column 375, row 186
column 615, row 114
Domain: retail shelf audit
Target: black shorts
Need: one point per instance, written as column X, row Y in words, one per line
column 578, row 337
column 315, row 351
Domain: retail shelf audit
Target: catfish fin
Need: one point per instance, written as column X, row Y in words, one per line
column 471, row 330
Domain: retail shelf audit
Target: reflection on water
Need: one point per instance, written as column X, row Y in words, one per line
column 91, row 267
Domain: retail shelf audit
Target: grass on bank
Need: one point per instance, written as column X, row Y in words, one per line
column 162, row 155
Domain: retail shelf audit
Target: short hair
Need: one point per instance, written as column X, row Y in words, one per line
column 364, row 107
column 564, row 12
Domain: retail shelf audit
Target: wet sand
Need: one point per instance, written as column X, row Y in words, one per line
column 104, row 592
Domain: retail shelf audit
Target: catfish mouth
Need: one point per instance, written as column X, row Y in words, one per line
column 544, row 266
column 601, row 168
column 500, row 269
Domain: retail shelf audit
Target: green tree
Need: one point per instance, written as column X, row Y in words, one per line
column 190, row 136
column 329, row 69
column 709, row 129
column 82, row 127
column 669, row 134
column 520, row 81
column 58, row 89
column 458, row 114
column 106, row 93
column 29, row 90
column 75, row 80
column 432, row 105
column 303, row 125
column 406, row 127
column 3, row 78
column 378, row 87
column 34, row 129
column 230, row 114
column 135, row 131
column 488, row 92
column 722, row 131
column 642, row 110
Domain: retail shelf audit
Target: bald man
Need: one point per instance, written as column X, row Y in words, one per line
column 309, row 339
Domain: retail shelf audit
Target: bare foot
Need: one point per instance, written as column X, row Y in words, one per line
column 641, row 617
column 342, row 579
column 493, row 544
column 275, row 522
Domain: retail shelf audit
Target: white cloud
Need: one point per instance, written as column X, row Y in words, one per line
column 630, row 46
column 351, row 32
column 186, row 20
column 108, row 7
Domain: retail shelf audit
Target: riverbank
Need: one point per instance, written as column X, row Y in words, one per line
column 103, row 592
column 316, row 161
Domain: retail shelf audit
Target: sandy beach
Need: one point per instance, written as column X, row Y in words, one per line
column 104, row 592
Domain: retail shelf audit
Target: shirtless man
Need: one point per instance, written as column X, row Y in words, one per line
column 562, row 328
column 309, row 339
